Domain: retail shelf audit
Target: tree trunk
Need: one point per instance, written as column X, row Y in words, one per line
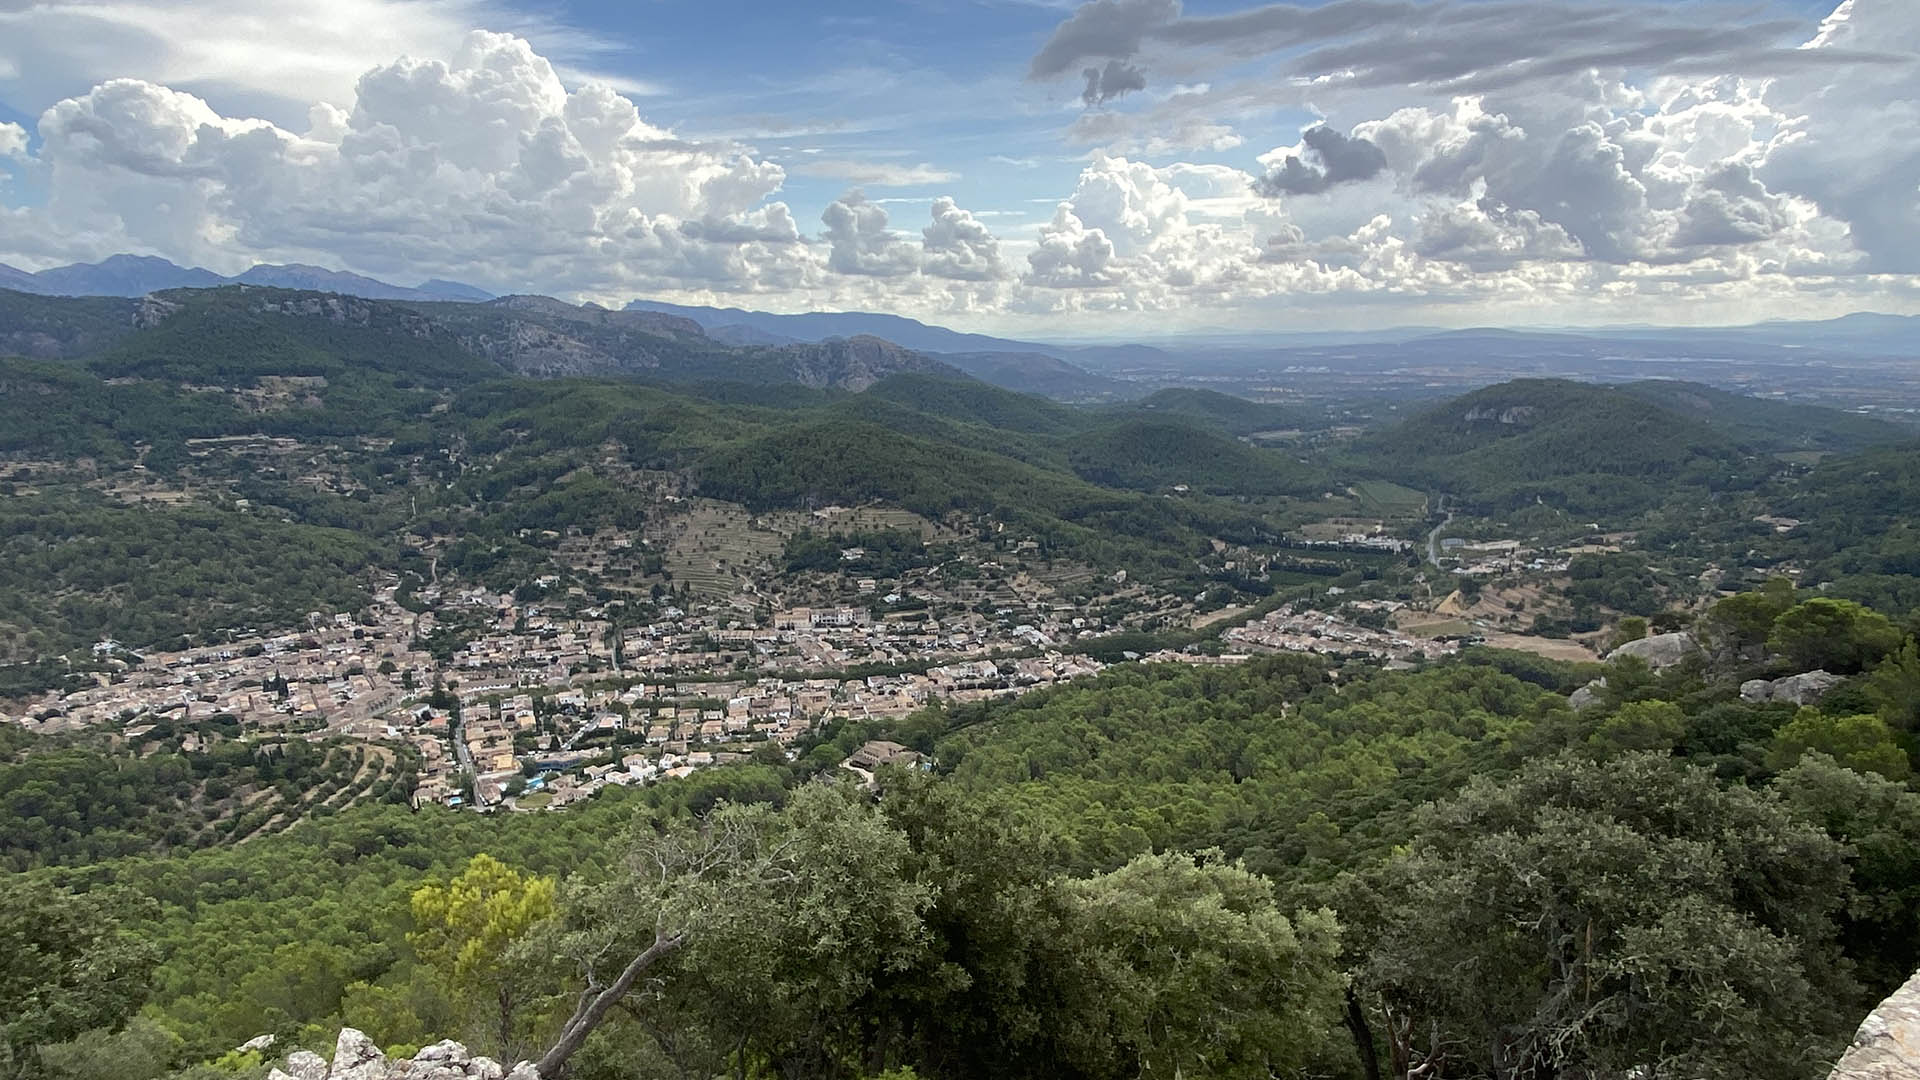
column 1362, row 1037
column 504, row 999
column 594, row 1007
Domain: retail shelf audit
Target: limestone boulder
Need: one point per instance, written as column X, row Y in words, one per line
column 356, row 1057
column 1806, row 687
column 1887, row 1046
column 1802, row 689
column 1587, row 696
column 1660, row 650
column 306, row 1065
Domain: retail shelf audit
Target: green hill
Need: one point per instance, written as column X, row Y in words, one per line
column 1235, row 414
column 1154, row 454
column 1770, row 425
column 1584, row 448
column 53, row 327
column 233, row 337
column 971, row 401
column 1858, row 535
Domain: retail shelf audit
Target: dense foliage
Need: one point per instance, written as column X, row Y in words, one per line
column 1032, row 912
column 66, row 802
column 76, row 570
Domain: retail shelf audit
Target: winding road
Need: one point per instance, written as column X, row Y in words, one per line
column 1433, row 538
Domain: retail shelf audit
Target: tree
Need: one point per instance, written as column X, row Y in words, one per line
column 1641, row 725
column 1741, row 622
column 140, row 1051
column 775, row 925
column 1837, row 635
column 1203, row 974
column 1879, row 822
column 1863, row 743
column 1895, row 687
column 469, row 931
column 1631, row 628
column 997, row 991
column 66, row 967
column 1624, row 916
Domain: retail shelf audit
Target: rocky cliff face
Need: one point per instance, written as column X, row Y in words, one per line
column 1887, row 1046
column 355, row 1057
column 854, row 363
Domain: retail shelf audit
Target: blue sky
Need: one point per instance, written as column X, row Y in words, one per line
column 1347, row 162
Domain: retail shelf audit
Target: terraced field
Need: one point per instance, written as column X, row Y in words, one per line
column 718, row 548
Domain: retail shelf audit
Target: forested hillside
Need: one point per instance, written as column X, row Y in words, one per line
column 1089, row 865
column 339, row 436
column 1604, row 450
column 1094, row 870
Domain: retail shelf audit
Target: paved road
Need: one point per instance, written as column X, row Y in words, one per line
column 1433, row 538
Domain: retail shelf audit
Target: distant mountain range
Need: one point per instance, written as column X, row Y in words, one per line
column 1063, row 370
column 138, row 275
column 742, row 327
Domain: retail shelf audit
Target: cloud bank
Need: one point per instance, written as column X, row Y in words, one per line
column 1566, row 160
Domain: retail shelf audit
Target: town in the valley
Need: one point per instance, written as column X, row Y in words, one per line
column 521, row 704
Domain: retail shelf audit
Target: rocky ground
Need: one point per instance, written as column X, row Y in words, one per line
column 355, row 1057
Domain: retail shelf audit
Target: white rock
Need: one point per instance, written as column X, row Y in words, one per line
column 1806, row 687
column 525, row 1071
column 445, row 1050
column 1587, row 695
column 485, row 1068
column 306, row 1065
column 1660, row 650
column 1802, row 689
column 355, row 1057
column 1887, row 1046
column 258, row 1042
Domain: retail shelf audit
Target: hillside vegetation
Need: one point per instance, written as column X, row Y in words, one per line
column 1091, row 869
column 1584, row 448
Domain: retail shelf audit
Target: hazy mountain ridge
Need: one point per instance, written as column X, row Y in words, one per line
column 242, row 332
column 1017, row 365
column 138, row 275
column 821, row 325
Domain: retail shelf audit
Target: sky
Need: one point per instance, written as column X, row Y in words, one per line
column 1018, row 166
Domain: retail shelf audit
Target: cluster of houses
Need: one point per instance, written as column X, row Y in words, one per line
column 1492, row 558
column 568, row 740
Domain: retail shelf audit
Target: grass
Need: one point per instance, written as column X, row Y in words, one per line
column 1388, row 499
column 1441, row 628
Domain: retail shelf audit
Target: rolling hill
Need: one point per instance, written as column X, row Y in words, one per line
column 1774, row 426
column 1582, row 447
column 1235, row 415
column 1151, row 454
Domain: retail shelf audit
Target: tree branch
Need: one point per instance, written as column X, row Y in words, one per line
column 593, row 1009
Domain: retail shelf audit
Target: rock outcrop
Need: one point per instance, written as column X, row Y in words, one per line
column 1660, row 650
column 355, row 1057
column 1802, row 689
column 1887, row 1046
column 1588, row 695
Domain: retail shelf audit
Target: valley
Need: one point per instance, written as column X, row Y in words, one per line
column 288, row 572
